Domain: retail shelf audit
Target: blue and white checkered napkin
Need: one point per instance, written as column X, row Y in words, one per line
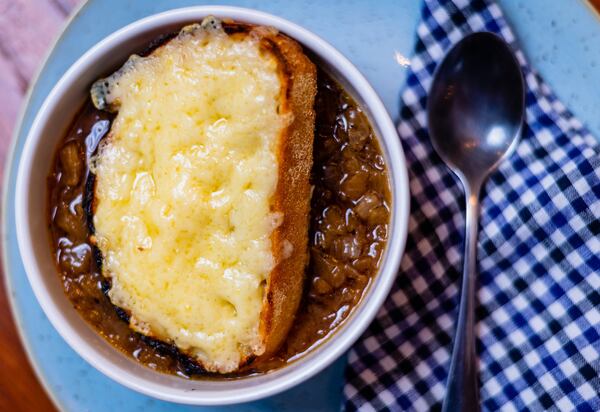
column 538, row 256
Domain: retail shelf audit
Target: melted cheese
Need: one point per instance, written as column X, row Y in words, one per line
column 184, row 186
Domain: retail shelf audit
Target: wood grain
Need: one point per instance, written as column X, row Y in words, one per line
column 19, row 387
column 28, row 28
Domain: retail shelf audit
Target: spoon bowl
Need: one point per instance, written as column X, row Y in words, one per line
column 475, row 111
column 476, row 105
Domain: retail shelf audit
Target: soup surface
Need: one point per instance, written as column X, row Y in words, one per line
column 347, row 233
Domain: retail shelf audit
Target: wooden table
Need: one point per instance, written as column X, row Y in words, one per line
column 28, row 27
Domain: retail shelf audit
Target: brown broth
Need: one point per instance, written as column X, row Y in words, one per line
column 347, row 234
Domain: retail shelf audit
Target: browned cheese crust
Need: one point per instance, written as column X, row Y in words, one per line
column 283, row 291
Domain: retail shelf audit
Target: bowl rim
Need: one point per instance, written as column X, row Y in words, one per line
column 362, row 315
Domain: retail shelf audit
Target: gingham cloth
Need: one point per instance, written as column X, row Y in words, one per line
column 538, row 255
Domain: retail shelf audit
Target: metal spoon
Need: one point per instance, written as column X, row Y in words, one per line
column 475, row 111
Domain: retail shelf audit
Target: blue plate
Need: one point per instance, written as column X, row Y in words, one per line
column 561, row 39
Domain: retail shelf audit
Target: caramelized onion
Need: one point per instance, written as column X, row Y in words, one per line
column 72, row 163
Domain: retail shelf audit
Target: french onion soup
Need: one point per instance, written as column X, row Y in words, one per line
column 219, row 205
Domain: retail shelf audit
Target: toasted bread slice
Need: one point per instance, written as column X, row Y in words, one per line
column 202, row 194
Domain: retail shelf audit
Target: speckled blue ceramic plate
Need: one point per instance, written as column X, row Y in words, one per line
column 561, row 39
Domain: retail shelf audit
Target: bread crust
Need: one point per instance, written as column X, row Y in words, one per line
column 293, row 193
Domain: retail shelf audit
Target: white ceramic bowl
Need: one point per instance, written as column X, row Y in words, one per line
column 48, row 128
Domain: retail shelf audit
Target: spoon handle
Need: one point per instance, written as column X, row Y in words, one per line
column 462, row 389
